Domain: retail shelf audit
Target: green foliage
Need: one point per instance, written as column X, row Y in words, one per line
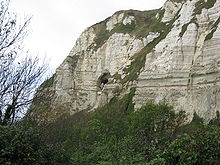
column 214, row 28
column 117, row 90
column 210, row 35
column 126, row 138
column 148, row 22
column 201, row 4
column 128, row 28
column 139, row 58
column 185, row 26
column 116, row 134
column 22, row 145
column 202, row 147
column 145, row 22
column 151, row 119
column 191, row 127
column 216, row 121
column 48, row 83
column 82, row 130
column 101, row 34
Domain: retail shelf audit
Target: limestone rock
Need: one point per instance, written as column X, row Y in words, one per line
column 169, row 55
column 115, row 19
column 183, row 71
column 128, row 20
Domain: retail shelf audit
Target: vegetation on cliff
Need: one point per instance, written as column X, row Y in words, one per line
column 202, row 4
column 114, row 134
column 213, row 29
column 145, row 22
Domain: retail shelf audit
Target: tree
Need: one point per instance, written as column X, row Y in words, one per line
column 22, row 144
column 200, row 147
column 19, row 76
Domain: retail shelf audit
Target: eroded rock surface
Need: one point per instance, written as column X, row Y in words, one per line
column 169, row 55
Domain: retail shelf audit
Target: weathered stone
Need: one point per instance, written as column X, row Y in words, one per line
column 114, row 20
column 182, row 69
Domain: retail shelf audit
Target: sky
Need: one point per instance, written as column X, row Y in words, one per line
column 56, row 24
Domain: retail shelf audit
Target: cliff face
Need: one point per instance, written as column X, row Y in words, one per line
column 169, row 55
column 183, row 69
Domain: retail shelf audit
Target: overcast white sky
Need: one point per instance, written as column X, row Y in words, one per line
column 56, row 24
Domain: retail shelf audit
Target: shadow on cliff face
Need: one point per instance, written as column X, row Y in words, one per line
column 103, row 79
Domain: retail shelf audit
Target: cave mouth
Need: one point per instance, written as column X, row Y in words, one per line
column 103, row 79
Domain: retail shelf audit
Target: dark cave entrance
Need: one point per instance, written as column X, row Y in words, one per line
column 103, row 79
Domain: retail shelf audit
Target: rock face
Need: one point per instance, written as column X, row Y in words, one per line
column 169, row 55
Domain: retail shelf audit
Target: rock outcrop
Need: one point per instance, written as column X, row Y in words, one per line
column 169, row 55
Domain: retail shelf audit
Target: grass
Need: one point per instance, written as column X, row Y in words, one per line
column 117, row 90
column 139, row 61
column 62, row 129
column 145, row 22
column 185, row 26
column 128, row 28
column 42, row 99
column 201, row 4
column 124, row 104
column 101, row 34
column 214, row 28
column 139, row 58
column 48, row 83
column 41, row 109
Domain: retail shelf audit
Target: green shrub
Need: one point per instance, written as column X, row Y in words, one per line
column 116, row 134
column 23, row 145
column 201, row 147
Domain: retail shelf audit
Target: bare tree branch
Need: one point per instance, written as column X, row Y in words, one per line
column 19, row 77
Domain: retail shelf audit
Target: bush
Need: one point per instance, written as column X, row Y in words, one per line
column 116, row 134
column 112, row 136
column 22, row 145
column 202, row 147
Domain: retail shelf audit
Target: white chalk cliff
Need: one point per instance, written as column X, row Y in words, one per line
column 170, row 55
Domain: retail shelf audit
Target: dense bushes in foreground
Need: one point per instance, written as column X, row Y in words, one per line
column 21, row 145
column 116, row 135
column 153, row 135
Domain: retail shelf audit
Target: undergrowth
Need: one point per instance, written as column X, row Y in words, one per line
column 116, row 134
